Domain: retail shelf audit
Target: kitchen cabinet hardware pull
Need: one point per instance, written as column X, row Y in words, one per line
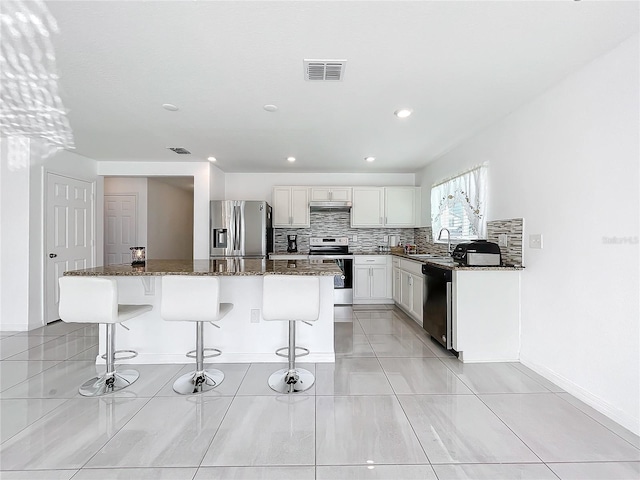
column 52, row 255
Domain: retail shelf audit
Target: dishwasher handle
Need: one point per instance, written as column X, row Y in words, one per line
column 449, row 333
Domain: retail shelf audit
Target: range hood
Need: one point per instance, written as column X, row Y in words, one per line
column 329, row 205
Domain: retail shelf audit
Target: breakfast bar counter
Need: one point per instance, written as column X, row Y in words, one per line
column 243, row 335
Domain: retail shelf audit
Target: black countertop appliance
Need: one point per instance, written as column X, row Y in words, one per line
column 479, row 253
column 292, row 243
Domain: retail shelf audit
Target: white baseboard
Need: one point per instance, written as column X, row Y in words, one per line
column 14, row 327
column 151, row 358
column 626, row 420
column 368, row 301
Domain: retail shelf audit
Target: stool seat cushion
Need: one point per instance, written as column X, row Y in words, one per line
column 94, row 300
column 188, row 298
column 290, row 297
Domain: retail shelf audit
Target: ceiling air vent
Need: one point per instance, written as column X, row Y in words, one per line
column 180, row 150
column 325, row 70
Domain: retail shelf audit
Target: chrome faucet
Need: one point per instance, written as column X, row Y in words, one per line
column 448, row 238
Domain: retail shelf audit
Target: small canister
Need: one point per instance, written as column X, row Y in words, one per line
column 138, row 256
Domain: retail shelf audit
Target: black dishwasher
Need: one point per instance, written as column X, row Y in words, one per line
column 437, row 301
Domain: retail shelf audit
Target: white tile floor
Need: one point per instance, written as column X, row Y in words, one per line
column 393, row 406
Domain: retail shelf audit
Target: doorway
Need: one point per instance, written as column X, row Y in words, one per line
column 69, row 233
column 161, row 221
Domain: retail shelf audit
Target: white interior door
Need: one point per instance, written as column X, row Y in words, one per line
column 120, row 227
column 69, row 233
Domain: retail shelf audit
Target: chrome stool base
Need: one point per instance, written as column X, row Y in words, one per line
column 198, row 382
column 291, row 381
column 108, row 383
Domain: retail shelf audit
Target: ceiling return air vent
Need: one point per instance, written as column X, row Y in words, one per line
column 324, row 70
column 179, row 150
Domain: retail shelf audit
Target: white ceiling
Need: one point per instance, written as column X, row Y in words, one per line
column 459, row 65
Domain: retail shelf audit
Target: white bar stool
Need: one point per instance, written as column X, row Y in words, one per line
column 95, row 300
column 188, row 298
column 291, row 298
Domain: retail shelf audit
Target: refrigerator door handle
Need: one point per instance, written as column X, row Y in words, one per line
column 236, row 229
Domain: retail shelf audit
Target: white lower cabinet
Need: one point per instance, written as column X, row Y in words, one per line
column 395, row 282
column 486, row 315
column 409, row 293
column 371, row 279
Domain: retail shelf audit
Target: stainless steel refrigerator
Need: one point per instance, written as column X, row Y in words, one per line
column 240, row 228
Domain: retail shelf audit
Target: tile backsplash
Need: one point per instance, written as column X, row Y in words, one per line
column 338, row 224
column 514, row 229
column 511, row 254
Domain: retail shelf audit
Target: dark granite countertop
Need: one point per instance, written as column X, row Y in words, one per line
column 434, row 261
column 222, row 267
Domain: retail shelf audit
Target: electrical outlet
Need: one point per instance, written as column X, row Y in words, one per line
column 503, row 240
column 385, row 238
column 535, row 240
column 355, row 238
column 255, row 315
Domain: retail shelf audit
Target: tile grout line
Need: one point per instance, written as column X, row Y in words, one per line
column 235, row 395
column 595, row 419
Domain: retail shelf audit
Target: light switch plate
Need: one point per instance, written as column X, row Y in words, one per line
column 503, row 240
column 535, row 240
column 255, row 315
column 355, row 238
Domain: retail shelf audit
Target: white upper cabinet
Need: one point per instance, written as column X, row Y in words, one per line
column 400, row 206
column 394, row 207
column 368, row 207
column 326, row 194
column 290, row 206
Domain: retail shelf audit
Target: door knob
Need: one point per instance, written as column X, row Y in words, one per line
column 52, row 255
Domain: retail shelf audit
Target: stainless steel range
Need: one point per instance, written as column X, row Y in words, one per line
column 328, row 249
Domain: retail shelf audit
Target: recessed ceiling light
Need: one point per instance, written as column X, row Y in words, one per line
column 291, row 159
column 403, row 112
column 271, row 108
column 169, row 106
column 370, row 159
column 211, row 159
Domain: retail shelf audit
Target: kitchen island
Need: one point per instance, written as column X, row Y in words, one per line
column 243, row 335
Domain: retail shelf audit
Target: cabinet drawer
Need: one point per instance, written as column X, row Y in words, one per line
column 411, row 266
column 370, row 260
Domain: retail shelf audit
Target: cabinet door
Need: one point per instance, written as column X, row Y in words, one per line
column 281, row 200
column 379, row 281
column 299, row 207
column 405, row 290
column 368, row 207
column 396, row 285
column 416, row 297
column 320, row 194
column 361, row 281
column 341, row 194
column 400, row 206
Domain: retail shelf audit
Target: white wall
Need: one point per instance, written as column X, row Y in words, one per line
column 568, row 163
column 131, row 186
column 14, row 244
column 217, row 183
column 170, row 222
column 200, row 171
column 257, row 186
